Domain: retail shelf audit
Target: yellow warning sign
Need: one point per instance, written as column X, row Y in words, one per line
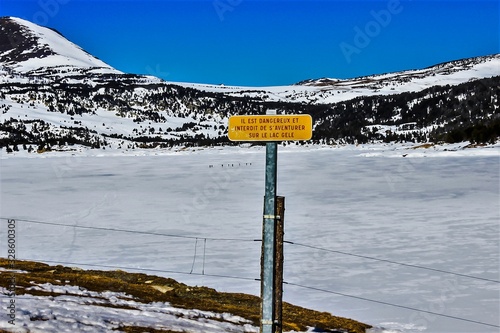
column 270, row 128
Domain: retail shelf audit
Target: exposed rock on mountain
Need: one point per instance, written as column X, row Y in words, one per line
column 54, row 95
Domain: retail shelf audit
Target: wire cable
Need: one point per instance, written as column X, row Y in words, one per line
column 124, row 268
column 392, row 262
column 253, row 279
column 129, row 231
column 390, row 304
column 204, row 255
column 258, row 240
column 286, row 283
column 194, row 256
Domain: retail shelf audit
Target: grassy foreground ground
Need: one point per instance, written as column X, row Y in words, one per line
column 150, row 288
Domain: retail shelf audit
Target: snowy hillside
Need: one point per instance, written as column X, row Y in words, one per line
column 80, row 310
column 70, row 299
column 107, row 170
column 328, row 91
column 55, row 96
column 33, row 50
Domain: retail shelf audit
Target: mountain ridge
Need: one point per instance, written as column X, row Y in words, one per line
column 461, row 61
column 62, row 96
column 446, row 68
column 27, row 47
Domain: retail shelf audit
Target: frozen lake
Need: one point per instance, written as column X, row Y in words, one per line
column 436, row 210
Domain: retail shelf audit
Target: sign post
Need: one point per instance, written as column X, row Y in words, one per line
column 268, row 237
column 270, row 128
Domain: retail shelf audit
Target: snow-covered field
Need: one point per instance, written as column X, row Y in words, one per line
column 433, row 208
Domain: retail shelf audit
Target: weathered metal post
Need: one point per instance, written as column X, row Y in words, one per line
column 268, row 241
column 279, row 259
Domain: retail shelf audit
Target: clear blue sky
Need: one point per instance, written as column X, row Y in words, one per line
column 259, row 43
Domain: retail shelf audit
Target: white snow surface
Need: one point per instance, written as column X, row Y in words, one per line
column 67, row 54
column 79, row 310
column 437, row 208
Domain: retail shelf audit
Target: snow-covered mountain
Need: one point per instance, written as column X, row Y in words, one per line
column 34, row 50
column 54, row 94
column 328, row 91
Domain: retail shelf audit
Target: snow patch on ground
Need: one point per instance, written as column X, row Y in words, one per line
column 79, row 310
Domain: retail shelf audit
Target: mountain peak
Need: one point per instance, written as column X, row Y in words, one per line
column 29, row 48
column 476, row 67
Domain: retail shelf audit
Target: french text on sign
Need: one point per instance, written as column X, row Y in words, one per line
column 270, row 128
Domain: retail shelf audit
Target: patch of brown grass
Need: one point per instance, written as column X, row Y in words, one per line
column 143, row 288
column 136, row 329
column 424, row 146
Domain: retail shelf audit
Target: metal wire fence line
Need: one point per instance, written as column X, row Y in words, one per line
column 230, row 276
